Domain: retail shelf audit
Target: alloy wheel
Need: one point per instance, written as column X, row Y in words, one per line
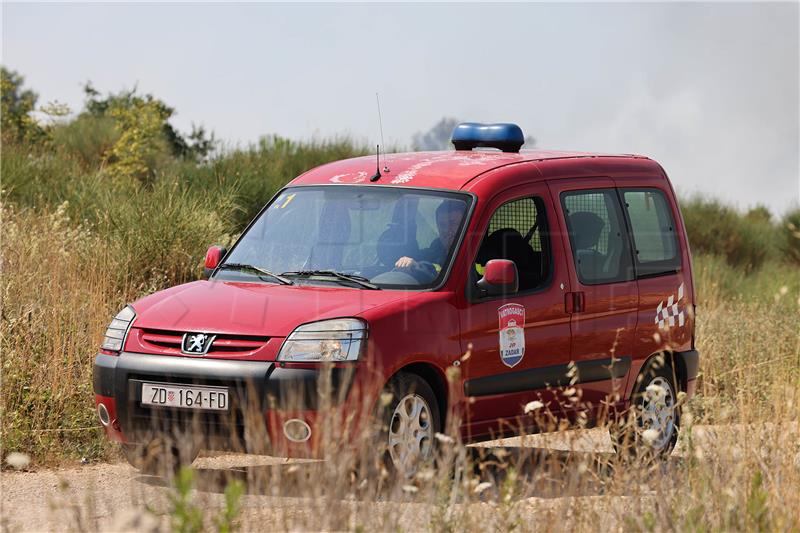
column 657, row 417
column 410, row 434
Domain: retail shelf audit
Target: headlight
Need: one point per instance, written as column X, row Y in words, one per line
column 340, row 339
column 118, row 329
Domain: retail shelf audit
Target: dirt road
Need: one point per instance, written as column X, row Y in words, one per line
column 115, row 497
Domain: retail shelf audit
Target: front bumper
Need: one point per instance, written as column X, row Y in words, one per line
column 262, row 395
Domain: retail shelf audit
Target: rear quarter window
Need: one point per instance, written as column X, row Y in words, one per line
column 653, row 232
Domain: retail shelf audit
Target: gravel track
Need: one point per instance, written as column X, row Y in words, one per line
column 115, row 497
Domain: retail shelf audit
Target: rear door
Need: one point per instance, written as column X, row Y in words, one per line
column 513, row 339
column 665, row 290
column 603, row 298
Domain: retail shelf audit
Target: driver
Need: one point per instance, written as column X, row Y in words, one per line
column 448, row 219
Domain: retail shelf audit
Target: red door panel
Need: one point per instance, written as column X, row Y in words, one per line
column 499, row 389
column 604, row 295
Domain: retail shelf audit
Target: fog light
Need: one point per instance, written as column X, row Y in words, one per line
column 102, row 412
column 296, row 430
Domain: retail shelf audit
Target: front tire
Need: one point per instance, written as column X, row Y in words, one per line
column 409, row 422
column 159, row 456
column 651, row 426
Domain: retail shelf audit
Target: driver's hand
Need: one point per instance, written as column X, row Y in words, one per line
column 404, row 262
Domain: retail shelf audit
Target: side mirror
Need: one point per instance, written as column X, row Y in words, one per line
column 213, row 257
column 500, row 278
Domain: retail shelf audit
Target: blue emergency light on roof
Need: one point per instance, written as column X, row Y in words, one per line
column 505, row 137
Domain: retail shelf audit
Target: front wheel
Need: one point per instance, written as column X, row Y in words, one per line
column 652, row 424
column 159, row 456
column 410, row 422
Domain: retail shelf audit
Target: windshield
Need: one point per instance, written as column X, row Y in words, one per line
column 390, row 237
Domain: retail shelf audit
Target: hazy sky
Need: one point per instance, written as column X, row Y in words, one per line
column 709, row 90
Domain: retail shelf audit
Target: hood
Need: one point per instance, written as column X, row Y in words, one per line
column 252, row 308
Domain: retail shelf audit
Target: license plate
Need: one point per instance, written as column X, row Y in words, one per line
column 213, row 398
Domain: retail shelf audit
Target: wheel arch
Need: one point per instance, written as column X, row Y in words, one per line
column 437, row 381
column 670, row 359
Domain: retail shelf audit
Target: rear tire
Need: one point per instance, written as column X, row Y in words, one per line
column 160, row 456
column 650, row 427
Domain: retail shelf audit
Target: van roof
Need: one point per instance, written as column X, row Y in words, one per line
column 442, row 170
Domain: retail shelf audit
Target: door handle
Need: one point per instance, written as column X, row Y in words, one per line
column 574, row 302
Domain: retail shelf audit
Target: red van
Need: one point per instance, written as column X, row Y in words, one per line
column 486, row 283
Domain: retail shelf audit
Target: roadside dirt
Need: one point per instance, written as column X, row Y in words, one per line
column 115, row 497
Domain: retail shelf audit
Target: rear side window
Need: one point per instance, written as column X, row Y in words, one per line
column 597, row 236
column 653, row 227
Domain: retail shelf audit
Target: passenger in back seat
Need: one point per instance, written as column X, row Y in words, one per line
column 585, row 230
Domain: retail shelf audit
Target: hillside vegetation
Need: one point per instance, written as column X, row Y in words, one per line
column 113, row 203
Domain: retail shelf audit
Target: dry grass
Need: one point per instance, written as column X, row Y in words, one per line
column 737, row 466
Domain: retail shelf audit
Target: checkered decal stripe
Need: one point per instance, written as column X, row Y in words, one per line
column 674, row 311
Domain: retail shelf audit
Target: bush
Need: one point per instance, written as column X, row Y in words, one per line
column 745, row 242
column 256, row 173
column 160, row 235
column 790, row 227
column 89, row 139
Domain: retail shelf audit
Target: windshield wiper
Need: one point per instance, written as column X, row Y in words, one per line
column 354, row 278
column 263, row 272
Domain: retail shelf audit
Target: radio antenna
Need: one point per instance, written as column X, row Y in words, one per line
column 377, row 174
column 380, row 124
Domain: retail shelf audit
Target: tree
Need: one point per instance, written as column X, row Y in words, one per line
column 438, row 137
column 197, row 146
column 17, row 104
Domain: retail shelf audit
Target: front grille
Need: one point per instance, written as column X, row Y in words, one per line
column 170, row 342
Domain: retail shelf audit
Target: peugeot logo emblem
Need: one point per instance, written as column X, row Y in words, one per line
column 197, row 343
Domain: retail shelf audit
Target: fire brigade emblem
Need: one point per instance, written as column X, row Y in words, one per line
column 512, row 333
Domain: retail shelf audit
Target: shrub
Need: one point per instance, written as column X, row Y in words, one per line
column 744, row 241
column 790, row 227
column 256, row 173
column 160, row 235
column 88, row 138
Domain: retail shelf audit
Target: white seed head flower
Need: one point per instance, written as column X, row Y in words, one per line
column 699, row 453
column 482, row 487
column 444, row 439
column 535, row 405
column 386, row 398
column 425, row 475
column 18, row 460
column 650, row 435
column 655, row 391
column 783, row 290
